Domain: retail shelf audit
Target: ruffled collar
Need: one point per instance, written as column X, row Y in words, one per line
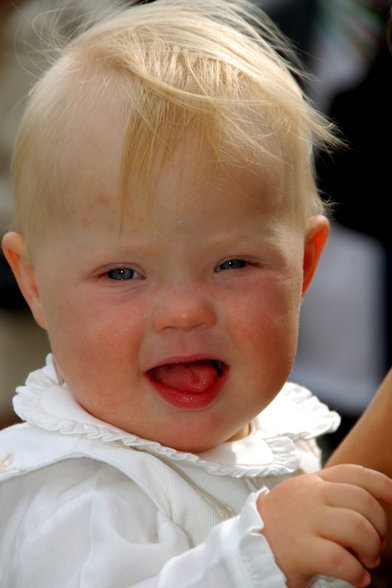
column 269, row 449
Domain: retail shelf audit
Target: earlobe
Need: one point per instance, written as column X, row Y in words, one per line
column 16, row 252
column 316, row 237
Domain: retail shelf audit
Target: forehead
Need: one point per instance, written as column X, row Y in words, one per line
column 91, row 144
column 179, row 180
column 184, row 190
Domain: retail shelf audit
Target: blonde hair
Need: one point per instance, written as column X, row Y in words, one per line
column 174, row 64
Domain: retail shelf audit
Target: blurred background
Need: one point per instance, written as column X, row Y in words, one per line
column 345, row 344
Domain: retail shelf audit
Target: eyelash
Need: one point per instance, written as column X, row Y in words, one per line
column 127, row 273
column 231, row 264
column 123, row 273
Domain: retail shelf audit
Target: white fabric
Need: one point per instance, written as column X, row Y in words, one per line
column 86, row 504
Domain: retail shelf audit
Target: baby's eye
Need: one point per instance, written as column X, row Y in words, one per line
column 123, row 273
column 231, row 264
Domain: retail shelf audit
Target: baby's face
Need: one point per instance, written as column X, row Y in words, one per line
column 183, row 326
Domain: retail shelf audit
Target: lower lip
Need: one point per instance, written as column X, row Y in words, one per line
column 186, row 400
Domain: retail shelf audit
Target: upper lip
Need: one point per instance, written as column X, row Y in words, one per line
column 218, row 363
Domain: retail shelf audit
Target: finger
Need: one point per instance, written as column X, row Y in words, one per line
column 357, row 499
column 351, row 530
column 332, row 560
column 378, row 484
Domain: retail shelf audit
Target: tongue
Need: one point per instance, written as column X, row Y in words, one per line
column 195, row 377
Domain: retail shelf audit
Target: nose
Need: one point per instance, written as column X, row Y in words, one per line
column 183, row 307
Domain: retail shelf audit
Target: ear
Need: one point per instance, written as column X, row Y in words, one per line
column 315, row 239
column 17, row 255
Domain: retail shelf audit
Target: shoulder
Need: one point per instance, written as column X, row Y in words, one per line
column 37, row 462
column 42, row 491
column 25, row 448
column 46, row 465
column 60, row 515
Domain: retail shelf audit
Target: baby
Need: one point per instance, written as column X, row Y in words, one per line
column 167, row 226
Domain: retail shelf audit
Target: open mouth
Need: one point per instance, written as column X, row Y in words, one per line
column 189, row 385
column 193, row 377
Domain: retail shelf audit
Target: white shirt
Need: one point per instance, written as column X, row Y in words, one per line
column 84, row 504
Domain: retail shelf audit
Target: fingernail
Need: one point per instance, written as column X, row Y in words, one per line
column 366, row 579
column 377, row 561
